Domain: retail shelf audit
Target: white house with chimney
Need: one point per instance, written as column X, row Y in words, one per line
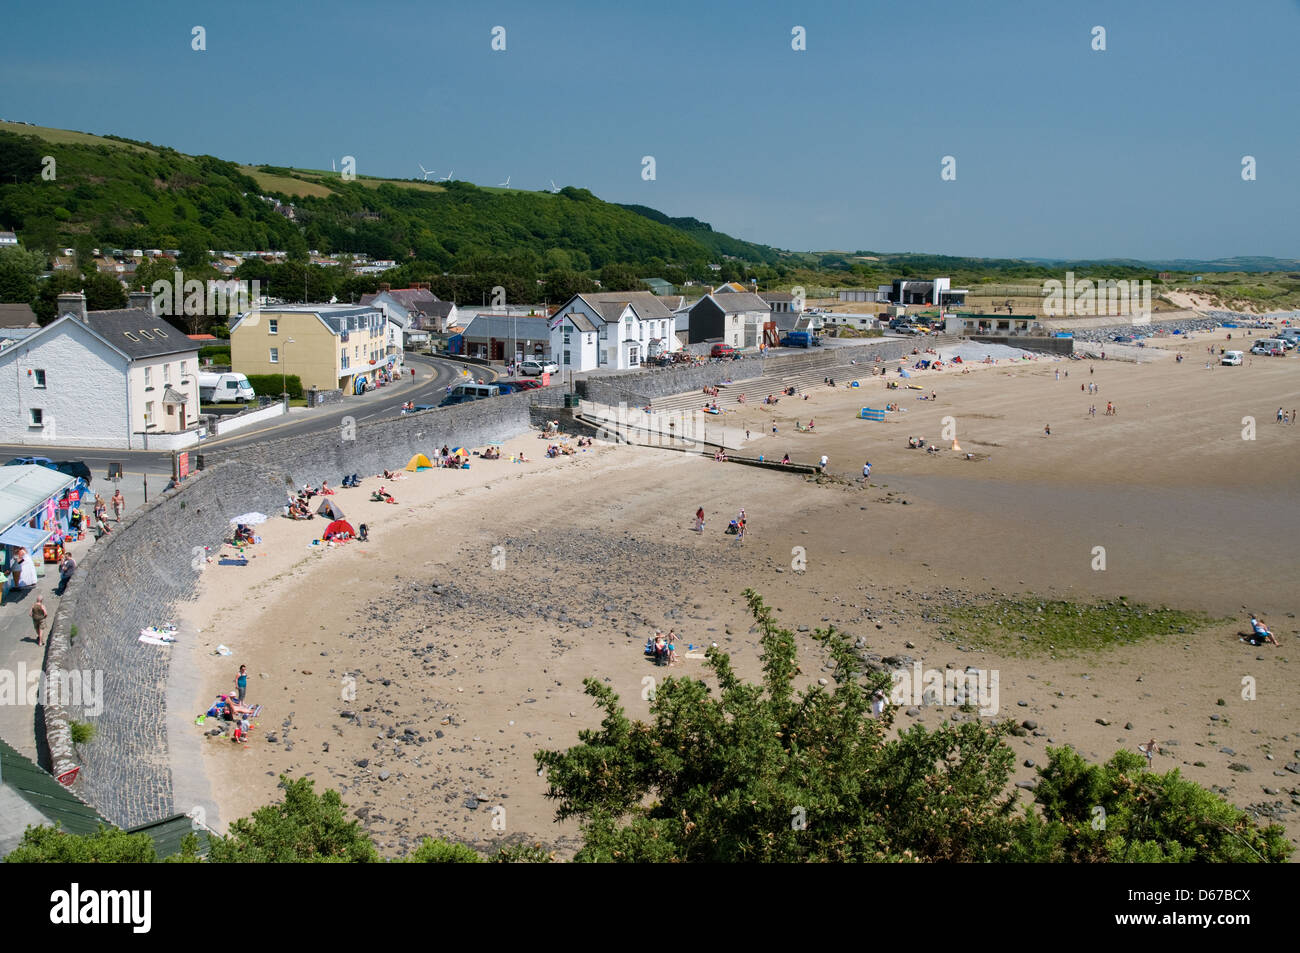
column 614, row 330
column 123, row 379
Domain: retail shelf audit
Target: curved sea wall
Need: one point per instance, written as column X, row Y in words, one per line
column 135, row 576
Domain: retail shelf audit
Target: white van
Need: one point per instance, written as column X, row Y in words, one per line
column 1232, row 358
column 223, row 388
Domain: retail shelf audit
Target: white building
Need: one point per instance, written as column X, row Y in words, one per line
column 122, row 379
column 614, row 330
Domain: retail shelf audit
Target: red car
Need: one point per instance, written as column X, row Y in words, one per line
column 529, row 384
column 722, row 350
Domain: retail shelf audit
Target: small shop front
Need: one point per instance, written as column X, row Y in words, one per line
column 39, row 512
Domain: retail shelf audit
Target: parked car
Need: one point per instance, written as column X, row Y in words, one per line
column 530, row 384
column 722, row 350
column 72, row 468
column 538, row 368
column 1232, row 358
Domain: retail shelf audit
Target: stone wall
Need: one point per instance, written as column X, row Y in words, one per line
column 134, row 577
column 644, row 387
column 1044, row 345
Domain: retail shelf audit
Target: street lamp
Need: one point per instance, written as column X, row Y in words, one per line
column 284, row 373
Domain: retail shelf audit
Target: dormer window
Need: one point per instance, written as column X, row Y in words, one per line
column 146, row 335
column 130, row 337
column 160, row 332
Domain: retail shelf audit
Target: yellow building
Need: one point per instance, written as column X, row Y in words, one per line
column 327, row 346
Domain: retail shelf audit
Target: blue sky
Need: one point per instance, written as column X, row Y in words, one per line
column 1061, row 151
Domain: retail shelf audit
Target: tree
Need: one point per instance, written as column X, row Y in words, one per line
column 19, row 270
column 305, row 827
column 103, row 293
column 762, row 772
column 436, row 851
column 1124, row 813
column 108, row 845
column 20, row 159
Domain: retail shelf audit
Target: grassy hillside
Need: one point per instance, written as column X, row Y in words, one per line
column 117, row 193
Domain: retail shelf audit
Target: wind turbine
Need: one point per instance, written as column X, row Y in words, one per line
column 554, row 188
column 505, row 184
column 447, row 177
column 333, row 166
column 427, row 172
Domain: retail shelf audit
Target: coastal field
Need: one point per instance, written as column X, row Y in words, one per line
column 419, row 672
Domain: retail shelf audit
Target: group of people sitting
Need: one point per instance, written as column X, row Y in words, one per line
column 491, row 453
column 297, row 509
column 828, row 381
column 243, row 535
column 918, row 443
column 1259, row 634
column 662, row 649
column 802, row 429
column 382, row 496
column 710, row 391
column 556, row 449
column 720, row 456
column 712, row 408
column 769, row 399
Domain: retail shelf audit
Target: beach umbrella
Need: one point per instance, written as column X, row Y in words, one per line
column 249, row 519
column 459, row 452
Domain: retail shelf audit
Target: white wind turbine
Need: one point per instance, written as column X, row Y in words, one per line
column 426, row 172
column 554, row 187
column 448, row 176
column 505, row 184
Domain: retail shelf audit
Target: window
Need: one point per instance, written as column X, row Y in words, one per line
column 184, row 372
column 36, row 417
column 275, row 355
column 566, row 337
column 148, row 377
column 167, row 373
column 272, row 325
column 171, row 410
column 38, row 379
column 566, row 357
column 148, row 414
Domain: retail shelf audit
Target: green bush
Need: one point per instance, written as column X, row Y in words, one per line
column 52, row 845
column 220, row 354
column 273, row 385
column 82, row 732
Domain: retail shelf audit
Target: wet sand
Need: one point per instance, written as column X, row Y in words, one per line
column 487, row 595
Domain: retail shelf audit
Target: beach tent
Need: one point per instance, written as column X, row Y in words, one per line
column 338, row 527
column 329, row 508
column 419, row 462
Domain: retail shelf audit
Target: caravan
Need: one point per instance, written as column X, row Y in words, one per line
column 222, row 388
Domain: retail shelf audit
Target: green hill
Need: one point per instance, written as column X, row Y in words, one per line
column 111, row 192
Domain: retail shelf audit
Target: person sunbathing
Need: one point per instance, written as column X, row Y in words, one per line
column 382, row 496
column 232, row 709
column 325, row 488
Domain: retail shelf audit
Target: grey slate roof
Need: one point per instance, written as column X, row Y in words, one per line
column 503, row 328
column 16, row 316
column 580, row 321
column 140, row 334
column 173, row 396
column 741, row 301
column 648, row 305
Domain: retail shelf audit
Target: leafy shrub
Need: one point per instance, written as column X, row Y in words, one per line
column 82, row 732
column 274, row 385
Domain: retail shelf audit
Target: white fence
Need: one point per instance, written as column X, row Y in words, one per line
column 239, row 421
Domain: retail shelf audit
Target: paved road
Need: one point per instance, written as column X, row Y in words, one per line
column 432, row 377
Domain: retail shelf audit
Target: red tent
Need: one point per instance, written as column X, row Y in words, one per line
column 339, row 528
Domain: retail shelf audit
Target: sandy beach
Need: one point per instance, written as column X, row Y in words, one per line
column 485, row 596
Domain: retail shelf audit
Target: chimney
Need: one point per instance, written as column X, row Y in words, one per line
column 385, row 286
column 74, row 303
column 140, row 299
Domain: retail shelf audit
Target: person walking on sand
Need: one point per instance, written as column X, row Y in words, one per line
column 866, row 469
column 1047, row 431
column 1150, row 749
column 39, row 615
column 1279, row 415
column 823, row 463
column 699, row 520
column 241, row 685
column 119, row 505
